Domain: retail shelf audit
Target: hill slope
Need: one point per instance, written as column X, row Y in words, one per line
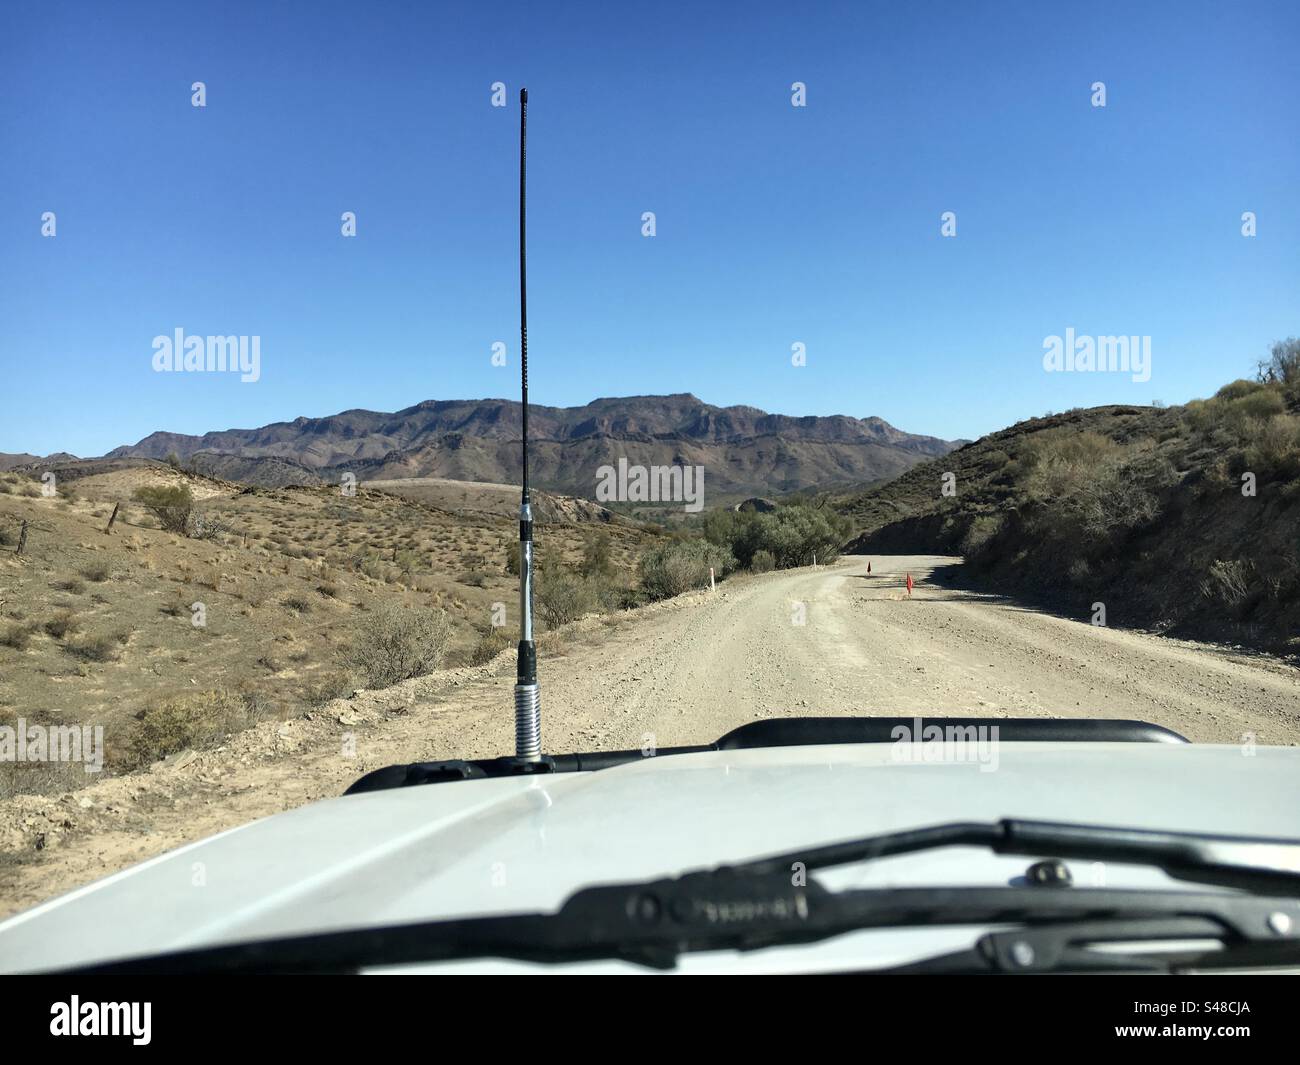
column 1186, row 519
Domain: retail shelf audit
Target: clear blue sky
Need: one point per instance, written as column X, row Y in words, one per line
column 775, row 224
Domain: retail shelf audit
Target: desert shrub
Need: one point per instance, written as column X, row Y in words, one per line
column 1235, row 413
column 335, row 684
column 597, row 555
column 981, row 532
column 564, row 596
column 396, row 642
column 191, row 720
column 299, row 604
column 1273, row 447
column 763, row 561
column 64, row 622
column 328, row 589
column 1255, row 406
column 204, row 525
column 1228, row 582
column 17, row 635
column 681, row 565
column 475, row 578
column 171, row 505
column 489, row 645
column 1054, row 458
column 8, row 537
column 1095, row 486
column 94, row 648
column 97, row 571
column 75, row 585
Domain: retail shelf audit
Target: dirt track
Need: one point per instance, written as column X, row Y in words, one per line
column 811, row 641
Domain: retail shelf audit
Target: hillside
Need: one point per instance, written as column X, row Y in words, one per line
column 1184, row 520
column 103, row 627
column 744, row 451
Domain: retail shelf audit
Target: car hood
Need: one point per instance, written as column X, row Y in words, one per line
column 521, row 844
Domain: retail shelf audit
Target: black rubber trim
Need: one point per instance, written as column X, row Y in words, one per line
column 778, row 732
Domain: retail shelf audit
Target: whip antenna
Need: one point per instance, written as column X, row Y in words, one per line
column 528, row 716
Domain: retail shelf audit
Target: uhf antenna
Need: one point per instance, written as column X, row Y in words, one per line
column 528, row 706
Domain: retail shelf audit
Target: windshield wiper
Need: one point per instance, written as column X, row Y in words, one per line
column 762, row 903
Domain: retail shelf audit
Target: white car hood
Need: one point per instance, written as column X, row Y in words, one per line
column 524, row 844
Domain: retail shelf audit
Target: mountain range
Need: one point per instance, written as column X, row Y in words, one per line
column 744, row 451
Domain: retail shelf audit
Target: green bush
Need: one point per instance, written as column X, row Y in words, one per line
column 763, row 561
column 1237, row 389
column 792, row 535
column 171, row 505
column 681, row 565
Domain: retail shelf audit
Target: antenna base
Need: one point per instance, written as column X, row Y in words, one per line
column 528, row 723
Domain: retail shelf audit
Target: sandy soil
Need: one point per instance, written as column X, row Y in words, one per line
column 811, row 641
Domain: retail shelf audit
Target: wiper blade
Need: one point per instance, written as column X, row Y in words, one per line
column 1251, row 863
column 761, row 904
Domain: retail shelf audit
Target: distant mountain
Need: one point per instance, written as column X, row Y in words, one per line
column 10, row 461
column 743, row 450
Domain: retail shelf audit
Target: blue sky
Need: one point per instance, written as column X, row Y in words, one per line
column 775, row 224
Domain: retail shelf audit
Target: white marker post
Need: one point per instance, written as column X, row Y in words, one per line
column 712, row 587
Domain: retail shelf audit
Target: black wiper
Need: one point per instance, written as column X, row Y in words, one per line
column 1251, row 863
column 764, row 903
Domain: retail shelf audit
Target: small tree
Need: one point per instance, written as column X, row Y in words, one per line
column 1283, row 364
column 172, row 505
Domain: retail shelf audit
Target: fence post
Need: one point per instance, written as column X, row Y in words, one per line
column 112, row 518
column 22, row 538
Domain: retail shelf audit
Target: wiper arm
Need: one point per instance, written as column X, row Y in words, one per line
column 1251, row 863
column 760, row 904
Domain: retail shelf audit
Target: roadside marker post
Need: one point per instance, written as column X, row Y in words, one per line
column 712, row 586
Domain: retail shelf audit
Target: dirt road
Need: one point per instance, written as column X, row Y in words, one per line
column 811, row 641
